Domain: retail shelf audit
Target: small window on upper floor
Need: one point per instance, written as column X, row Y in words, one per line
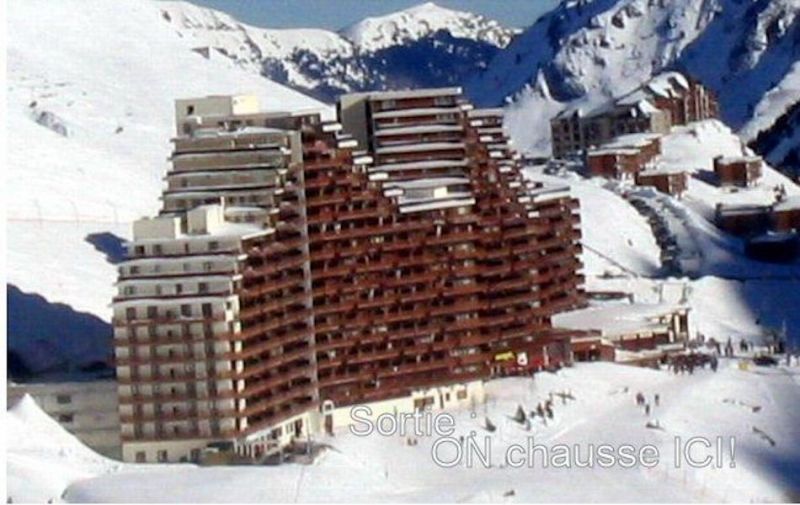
column 190, row 110
column 66, row 418
column 63, row 399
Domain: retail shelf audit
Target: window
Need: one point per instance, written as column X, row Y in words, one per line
column 152, row 312
column 213, row 245
column 162, row 456
column 63, row 399
column 141, row 457
column 65, row 418
column 189, row 110
column 186, row 310
column 138, row 250
column 202, row 287
column 158, row 250
column 130, row 313
column 207, row 312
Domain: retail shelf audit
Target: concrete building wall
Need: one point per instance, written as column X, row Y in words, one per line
column 88, row 410
column 353, row 117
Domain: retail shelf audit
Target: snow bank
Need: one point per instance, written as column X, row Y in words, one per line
column 602, row 411
column 43, row 459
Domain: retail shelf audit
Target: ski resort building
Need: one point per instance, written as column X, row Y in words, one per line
column 624, row 157
column 668, row 181
column 290, row 276
column 666, row 100
column 743, row 220
column 740, row 171
column 786, row 214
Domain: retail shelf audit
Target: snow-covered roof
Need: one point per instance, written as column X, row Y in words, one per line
column 789, row 203
column 737, row 159
column 741, row 209
column 617, row 320
column 662, row 170
column 226, row 229
column 604, row 151
column 632, row 140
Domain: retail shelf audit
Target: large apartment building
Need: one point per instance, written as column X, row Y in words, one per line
column 291, row 275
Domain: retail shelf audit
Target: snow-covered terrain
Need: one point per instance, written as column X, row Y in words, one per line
column 376, row 53
column 412, row 24
column 91, row 86
column 592, row 50
column 755, row 406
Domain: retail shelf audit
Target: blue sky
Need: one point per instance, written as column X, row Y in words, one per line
column 335, row 14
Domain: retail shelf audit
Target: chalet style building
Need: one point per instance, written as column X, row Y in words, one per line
column 673, row 182
column 624, row 157
column 394, row 257
column 667, row 100
column 740, row 171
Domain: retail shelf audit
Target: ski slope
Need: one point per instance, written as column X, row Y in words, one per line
column 386, row 468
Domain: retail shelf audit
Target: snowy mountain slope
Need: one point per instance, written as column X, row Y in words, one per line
column 775, row 103
column 592, row 50
column 89, row 121
column 774, row 130
column 422, row 46
column 397, row 28
column 693, row 148
column 389, row 469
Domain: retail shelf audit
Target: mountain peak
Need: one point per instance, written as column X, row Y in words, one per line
column 378, row 32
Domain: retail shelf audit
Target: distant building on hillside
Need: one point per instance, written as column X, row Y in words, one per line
column 666, row 100
column 743, row 220
column 673, row 182
column 741, row 171
column 626, row 327
column 624, row 157
column 786, row 214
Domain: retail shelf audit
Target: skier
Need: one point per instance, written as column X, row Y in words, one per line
column 657, row 399
column 647, row 409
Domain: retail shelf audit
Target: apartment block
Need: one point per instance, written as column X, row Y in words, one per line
column 291, row 275
column 667, row 100
column 741, row 171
